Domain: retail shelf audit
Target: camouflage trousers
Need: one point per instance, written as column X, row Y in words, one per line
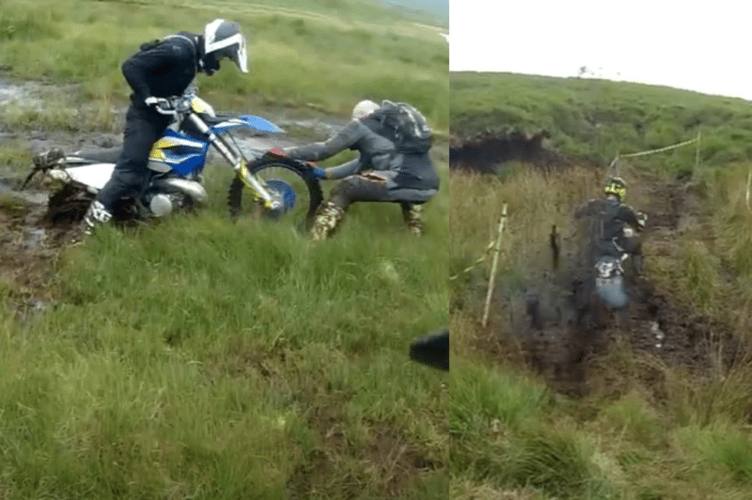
column 411, row 212
column 359, row 188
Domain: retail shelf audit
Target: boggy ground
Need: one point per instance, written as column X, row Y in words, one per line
column 484, row 152
column 29, row 242
column 655, row 322
column 30, row 246
column 571, row 353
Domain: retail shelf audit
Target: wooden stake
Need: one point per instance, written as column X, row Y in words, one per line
column 495, row 262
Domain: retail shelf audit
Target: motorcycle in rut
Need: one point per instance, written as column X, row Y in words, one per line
column 277, row 187
column 594, row 283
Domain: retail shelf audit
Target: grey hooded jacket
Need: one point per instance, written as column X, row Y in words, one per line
column 409, row 177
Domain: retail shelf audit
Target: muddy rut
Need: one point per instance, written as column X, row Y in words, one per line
column 655, row 324
column 569, row 351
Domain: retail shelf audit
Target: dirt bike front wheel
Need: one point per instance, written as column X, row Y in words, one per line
column 290, row 182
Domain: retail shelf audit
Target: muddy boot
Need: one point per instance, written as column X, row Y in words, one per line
column 48, row 158
column 326, row 220
column 95, row 216
column 412, row 215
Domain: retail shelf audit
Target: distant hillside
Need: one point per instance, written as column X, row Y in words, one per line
column 598, row 118
column 432, row 11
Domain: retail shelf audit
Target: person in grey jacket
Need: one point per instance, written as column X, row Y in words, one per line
column 381, row 173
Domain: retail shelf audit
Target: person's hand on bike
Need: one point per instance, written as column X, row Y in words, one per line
column 316, row 172
column 276, row 153
column 161, row 105
column 642, row 219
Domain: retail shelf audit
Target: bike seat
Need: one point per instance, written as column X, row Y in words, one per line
column 111, row 155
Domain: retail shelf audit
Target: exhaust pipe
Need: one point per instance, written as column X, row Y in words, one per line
column 190, row 188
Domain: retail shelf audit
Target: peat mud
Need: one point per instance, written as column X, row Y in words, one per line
column 28, row 250
column 563, row 331
column 484, row 153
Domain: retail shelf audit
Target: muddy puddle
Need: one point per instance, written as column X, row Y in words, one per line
column 25, row 94
column 10, row 188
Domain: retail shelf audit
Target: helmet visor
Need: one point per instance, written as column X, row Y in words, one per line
column 236, row 53
column 240, row 57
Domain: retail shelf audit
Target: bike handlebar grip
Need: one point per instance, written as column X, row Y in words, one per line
column 276, row 152
column 432, row 350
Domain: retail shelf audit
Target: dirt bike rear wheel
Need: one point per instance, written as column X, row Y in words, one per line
column 291, row 180
column 67, row 206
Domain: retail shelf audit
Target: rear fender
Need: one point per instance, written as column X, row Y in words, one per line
column 92, row 176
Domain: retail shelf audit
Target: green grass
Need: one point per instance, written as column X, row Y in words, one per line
column 511, row 435
column 201, row 358
column 647, row 429
column 600, row 118
column 326, row 56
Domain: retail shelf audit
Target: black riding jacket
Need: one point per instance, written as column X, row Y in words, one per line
column 609, row 218
column 163, row 69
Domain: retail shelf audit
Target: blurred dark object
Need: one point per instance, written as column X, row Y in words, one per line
column 433, row 350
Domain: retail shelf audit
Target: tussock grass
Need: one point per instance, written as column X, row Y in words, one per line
column 203, row 358
column 600, row 118
column 15, row 156
column 502, row 437
column 649, row 429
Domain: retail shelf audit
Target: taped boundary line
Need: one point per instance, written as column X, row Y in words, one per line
column 491, row 247
column 661, row 150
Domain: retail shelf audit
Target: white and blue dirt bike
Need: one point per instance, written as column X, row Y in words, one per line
column 276, row 187
column 609, row 281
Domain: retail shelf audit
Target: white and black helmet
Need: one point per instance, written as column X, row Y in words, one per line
column 364, row 108
column 224, row 39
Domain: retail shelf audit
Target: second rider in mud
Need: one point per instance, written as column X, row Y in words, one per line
column 386, row 170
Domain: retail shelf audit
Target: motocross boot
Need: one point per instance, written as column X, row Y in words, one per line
column 326, row 221
column 412, row 215
column 95, row 216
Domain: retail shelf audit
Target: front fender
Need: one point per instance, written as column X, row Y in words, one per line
column 304, row 167
column 254, row 123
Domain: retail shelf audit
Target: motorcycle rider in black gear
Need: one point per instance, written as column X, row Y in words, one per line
column 617, row 224
column 161, row 69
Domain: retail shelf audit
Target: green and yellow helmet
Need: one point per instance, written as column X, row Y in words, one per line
column 617, row 187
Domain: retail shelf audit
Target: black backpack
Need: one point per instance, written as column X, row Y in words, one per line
column 403, row 125
column 145, row 47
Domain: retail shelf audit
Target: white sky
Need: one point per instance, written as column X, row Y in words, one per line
column 705, row 46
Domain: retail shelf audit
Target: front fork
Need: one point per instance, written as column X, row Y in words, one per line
column 258, row 188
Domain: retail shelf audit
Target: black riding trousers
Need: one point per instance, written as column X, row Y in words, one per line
column 131, row 175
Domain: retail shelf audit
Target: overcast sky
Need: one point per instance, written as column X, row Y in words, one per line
column 705, row 47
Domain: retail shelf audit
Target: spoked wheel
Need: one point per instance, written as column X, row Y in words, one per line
column 290, row 182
